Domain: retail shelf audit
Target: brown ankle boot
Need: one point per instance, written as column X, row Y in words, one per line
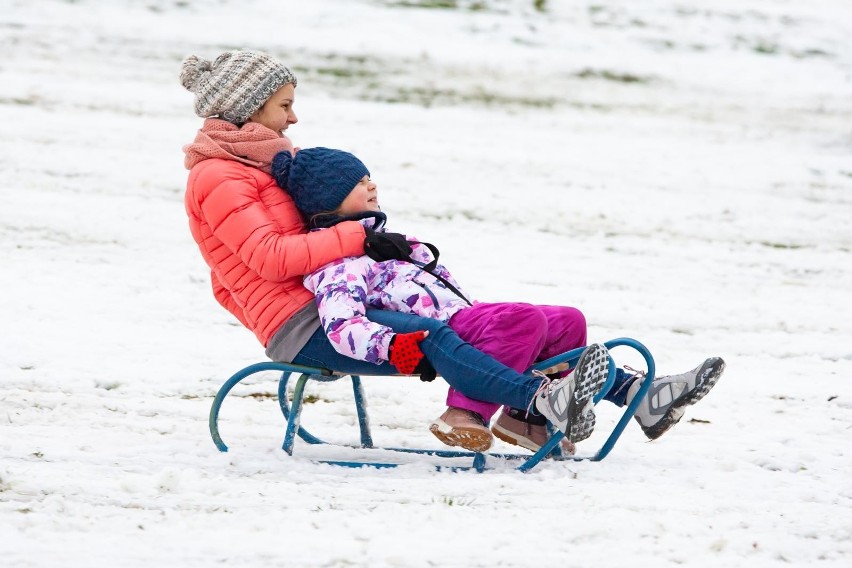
column 460, row 427
column 532, row 435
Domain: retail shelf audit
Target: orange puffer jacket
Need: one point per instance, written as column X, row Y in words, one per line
column 255, row 242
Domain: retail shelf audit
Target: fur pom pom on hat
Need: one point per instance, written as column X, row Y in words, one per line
column 318, row 179
column 235, row 85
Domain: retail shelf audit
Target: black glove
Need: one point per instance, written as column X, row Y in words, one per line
column 386, row 246
column 426, row 371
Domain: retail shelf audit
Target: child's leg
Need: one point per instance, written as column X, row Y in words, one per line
column 566, row 330
column 511, row 333
column 460, row 364
column 484, row 409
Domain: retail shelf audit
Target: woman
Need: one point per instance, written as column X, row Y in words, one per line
column 257, row 248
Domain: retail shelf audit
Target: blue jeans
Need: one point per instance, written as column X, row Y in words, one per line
column 464, row 367
column 618, row 392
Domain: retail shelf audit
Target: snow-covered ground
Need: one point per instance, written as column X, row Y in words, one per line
column 680, row 170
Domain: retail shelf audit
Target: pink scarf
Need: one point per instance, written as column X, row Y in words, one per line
column 254, row 144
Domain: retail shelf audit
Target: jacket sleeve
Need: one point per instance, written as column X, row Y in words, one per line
column 242, row 222
column 341, row 295
column 224, row 297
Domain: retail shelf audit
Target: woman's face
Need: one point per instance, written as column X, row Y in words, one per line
column 363, row 197
column 277, row 112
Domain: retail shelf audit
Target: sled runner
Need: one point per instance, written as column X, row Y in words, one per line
column 292, row 412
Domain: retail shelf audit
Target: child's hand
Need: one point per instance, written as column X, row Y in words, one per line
column 405, row 353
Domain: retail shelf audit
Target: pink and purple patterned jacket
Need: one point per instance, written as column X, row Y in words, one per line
column 347, row 287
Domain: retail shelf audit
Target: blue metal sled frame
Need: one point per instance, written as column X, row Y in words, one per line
column 292, row 413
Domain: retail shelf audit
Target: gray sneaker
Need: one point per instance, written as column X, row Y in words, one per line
column 567, row 402
column 668, row 397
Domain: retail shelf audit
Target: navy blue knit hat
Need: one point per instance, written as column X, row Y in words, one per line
column 318, row 179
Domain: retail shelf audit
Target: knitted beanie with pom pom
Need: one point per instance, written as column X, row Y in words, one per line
column 235, row 85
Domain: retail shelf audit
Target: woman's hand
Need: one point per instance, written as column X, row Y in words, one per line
column 386, row 246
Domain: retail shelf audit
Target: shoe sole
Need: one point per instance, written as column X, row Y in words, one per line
column 472, row 439
column 590, row 374
column 709, row 375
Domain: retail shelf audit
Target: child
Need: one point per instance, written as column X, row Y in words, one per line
column 331, row 186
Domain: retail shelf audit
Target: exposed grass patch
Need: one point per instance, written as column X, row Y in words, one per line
column 262, row 395
column 30, row 100
column 450, row 215
column 766, row 48
column 473, row 6
column 380, row 80
column 344, row 72
column 810, row 53
column 307, row 399
column 428, row 96
column 788, row 246
column 450, row 501
column 430, row 4
column 614, row 76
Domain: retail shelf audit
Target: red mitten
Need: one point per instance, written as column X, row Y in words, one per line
column 405, row 353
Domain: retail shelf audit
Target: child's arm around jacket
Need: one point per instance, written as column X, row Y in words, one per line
column 341, row 291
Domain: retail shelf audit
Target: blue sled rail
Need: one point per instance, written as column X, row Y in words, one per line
column 292, row 413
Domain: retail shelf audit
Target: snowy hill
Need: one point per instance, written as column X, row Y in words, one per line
column 680, row 171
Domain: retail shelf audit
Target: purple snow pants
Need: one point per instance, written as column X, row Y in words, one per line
column 516, row 335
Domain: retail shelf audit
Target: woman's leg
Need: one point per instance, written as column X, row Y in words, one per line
column 472, row 371
column 461, row 365
column 512, row 333
column 319, row 352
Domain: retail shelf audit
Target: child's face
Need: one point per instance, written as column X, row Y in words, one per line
column 363, row 197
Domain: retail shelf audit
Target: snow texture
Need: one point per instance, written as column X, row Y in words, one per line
column 679, row 170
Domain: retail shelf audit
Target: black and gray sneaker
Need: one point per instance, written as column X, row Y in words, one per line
column 567, row 402
column 668, row 397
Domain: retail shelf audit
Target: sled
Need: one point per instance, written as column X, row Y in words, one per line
column 292, row 412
